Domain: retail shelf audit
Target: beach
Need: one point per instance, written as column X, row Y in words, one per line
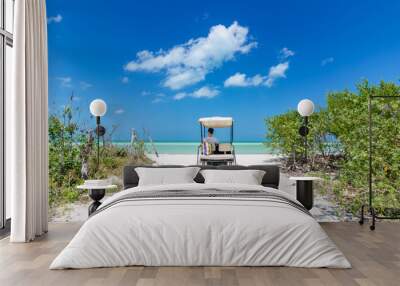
column 324, row 210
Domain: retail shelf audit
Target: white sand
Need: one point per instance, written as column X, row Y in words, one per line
column 190, row 159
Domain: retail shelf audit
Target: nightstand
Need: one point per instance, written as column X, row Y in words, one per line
column 304, row 190
column 96, row 193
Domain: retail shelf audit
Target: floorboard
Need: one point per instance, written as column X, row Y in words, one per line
column 375, row 257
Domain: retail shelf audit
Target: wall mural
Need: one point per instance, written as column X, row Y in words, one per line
column 145, row 84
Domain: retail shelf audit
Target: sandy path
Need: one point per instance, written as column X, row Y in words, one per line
column 323, row 210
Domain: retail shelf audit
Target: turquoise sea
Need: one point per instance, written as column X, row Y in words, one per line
column 191, row 147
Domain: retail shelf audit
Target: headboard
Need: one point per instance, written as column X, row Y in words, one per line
column 270, row 179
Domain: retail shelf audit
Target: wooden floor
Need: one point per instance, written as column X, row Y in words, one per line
column 375, row 257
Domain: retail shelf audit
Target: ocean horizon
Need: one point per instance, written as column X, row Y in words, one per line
column 190, row 147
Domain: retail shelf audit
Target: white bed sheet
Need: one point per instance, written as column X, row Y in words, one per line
column 200, row 232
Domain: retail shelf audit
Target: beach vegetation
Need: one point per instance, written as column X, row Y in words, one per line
column 338, row 144
column 73, row 156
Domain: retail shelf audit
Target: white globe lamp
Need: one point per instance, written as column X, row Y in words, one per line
column 98, row 107
column 305, row 107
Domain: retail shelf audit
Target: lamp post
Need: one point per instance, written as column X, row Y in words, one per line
column 98, row 108
column 305, row 109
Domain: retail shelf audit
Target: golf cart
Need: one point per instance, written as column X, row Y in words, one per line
column 216, row 154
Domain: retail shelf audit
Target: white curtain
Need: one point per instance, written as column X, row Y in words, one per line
column 26, row 124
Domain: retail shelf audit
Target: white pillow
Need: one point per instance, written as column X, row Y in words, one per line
column 248, row 177
column 166, row 176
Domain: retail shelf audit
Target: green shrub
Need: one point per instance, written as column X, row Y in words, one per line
column 339, row 135
column 70, row 147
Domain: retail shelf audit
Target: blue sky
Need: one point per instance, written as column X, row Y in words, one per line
column 161, row 65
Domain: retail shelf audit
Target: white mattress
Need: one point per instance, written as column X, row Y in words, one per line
column 200, row 231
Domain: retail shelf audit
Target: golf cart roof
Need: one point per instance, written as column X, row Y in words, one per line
column 216, row 122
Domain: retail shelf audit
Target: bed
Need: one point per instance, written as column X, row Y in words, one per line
column 201, row 224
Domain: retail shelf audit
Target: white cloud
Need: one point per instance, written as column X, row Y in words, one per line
column 119, row 111
column 275, row 72
column 238, row 79
column 242, row 80
column 54, row 19
column 327, row 61
column 285, row 53
column 85, row 85
column 203, row 92
column 180, row 95
column 65, row 81
column 157, row 100
column 178, row 78
column 125, row 80
column 159, row 97
column 279, row 70
column 190, row 62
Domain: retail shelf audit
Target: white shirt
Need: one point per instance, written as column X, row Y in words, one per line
column 211, row 140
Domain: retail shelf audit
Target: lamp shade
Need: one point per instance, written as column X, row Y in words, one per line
column 305, row 107
column 98, row 107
